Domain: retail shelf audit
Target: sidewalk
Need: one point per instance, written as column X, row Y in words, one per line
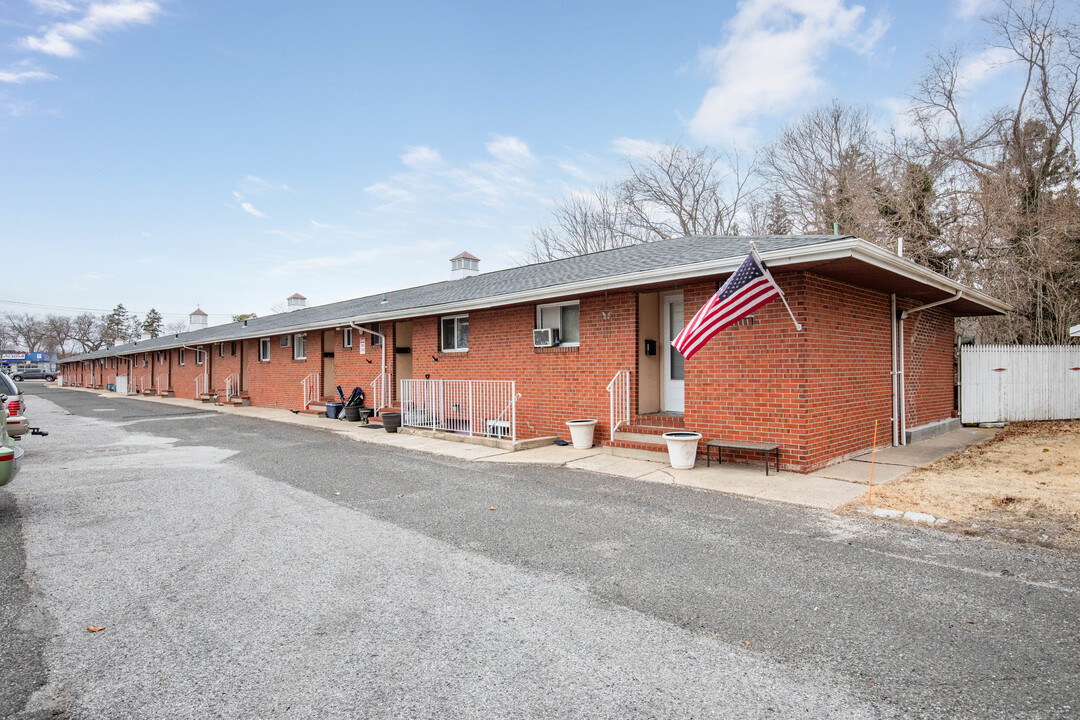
column 825, row 489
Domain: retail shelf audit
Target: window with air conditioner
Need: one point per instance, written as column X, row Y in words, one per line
column 563, row 318
column 285, row 340
column 454, row 333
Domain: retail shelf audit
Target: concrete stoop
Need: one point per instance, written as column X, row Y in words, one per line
column 500, row 443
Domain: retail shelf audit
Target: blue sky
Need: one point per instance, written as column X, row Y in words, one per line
column 168, row 153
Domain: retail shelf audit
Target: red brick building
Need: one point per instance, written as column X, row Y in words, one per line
column 877, row 344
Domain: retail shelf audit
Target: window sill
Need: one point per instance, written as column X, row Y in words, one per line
column 557, row 350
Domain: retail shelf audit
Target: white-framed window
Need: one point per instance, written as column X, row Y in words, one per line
column 376, row 340
column 144, row 359
column 300, row 347
column 454, row 333
column 564, row 317
column 285, row 340
column 346, row 338
column 264, row 350
column 199, row 355
column 221, row 350
column 180, row 355
column 234, row 348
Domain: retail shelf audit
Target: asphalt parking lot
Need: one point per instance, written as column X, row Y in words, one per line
column 243, row 568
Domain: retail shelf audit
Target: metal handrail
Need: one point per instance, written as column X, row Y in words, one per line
column 619, row 400
column 379, row 394
column 311, row 389
column 232, row 386
column 467, row 407
column 162, row 382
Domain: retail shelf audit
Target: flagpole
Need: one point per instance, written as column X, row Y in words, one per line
column 753, row 249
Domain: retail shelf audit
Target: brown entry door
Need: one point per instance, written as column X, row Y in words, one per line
column 328, row 380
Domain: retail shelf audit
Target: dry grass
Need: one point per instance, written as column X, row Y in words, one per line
column 1023, row 484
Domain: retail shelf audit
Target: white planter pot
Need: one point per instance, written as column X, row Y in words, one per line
column 682, row 448
column 581, row 433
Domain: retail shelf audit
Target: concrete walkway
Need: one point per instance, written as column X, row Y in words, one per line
column 826, row 489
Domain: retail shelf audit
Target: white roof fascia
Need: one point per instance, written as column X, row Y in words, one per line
column 823, row 252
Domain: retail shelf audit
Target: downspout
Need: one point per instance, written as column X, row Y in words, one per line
column 900, row 322
column 893, row 374
column 385, row 398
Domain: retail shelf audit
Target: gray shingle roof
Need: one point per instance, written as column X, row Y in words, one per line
column 491, row 286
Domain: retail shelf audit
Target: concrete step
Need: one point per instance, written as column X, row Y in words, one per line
column 239, row 401
column 208, row 397
column 638, row 451
column 666, row 420
column 312, row 410
column 166, row 393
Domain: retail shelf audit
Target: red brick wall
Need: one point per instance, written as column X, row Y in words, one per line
column 929, row 339
column 277, row 383
column 356, row 368
column 223, row 367
column 749, row 381
column 556, row 384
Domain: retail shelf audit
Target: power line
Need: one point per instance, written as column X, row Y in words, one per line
column 97, row 310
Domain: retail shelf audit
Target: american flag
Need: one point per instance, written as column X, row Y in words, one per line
column 744, row 292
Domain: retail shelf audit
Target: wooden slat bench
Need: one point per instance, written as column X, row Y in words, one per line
column 766, row 448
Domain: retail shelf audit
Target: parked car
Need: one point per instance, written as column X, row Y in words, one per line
column 10, row 455
column 16, row 403
column 33, row 373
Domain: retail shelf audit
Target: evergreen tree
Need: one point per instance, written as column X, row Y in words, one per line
column 153, row 324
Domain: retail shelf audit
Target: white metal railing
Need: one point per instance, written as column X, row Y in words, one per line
column 619, row 400
column 312, row 388
column 162, row 382
column 200, row 385
column 380, row 396
column 232, row 386
column 470, row 407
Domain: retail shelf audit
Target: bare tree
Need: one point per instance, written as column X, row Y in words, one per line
column 826, row 168
column 28, row 330
column 176, row 326
column 583, row 224
column 1017, row 169
column 87, row 332
column 59, row 331
column 679, row 191
column 675, row 191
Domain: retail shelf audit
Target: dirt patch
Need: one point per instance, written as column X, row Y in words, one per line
column 1022, row 484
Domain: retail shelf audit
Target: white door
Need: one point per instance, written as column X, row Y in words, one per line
column 673, row 360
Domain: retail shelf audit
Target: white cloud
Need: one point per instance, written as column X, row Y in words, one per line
column 254, row 185
column 769, row 63
column 635, row 148
column 968, row 9
column 61, row 38
column 510, row 150
column 23, row 72
column 978, row 68
column 420, row 157
column 247, row 207
column 251, row 210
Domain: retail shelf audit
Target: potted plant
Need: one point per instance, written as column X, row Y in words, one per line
column 581, row 433
column 682, row 448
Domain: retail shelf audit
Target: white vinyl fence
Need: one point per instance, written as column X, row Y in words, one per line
column 470, row 407
column 1007, row 383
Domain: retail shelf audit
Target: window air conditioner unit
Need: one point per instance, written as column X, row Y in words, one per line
column 286, row 340
column 547, row 337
